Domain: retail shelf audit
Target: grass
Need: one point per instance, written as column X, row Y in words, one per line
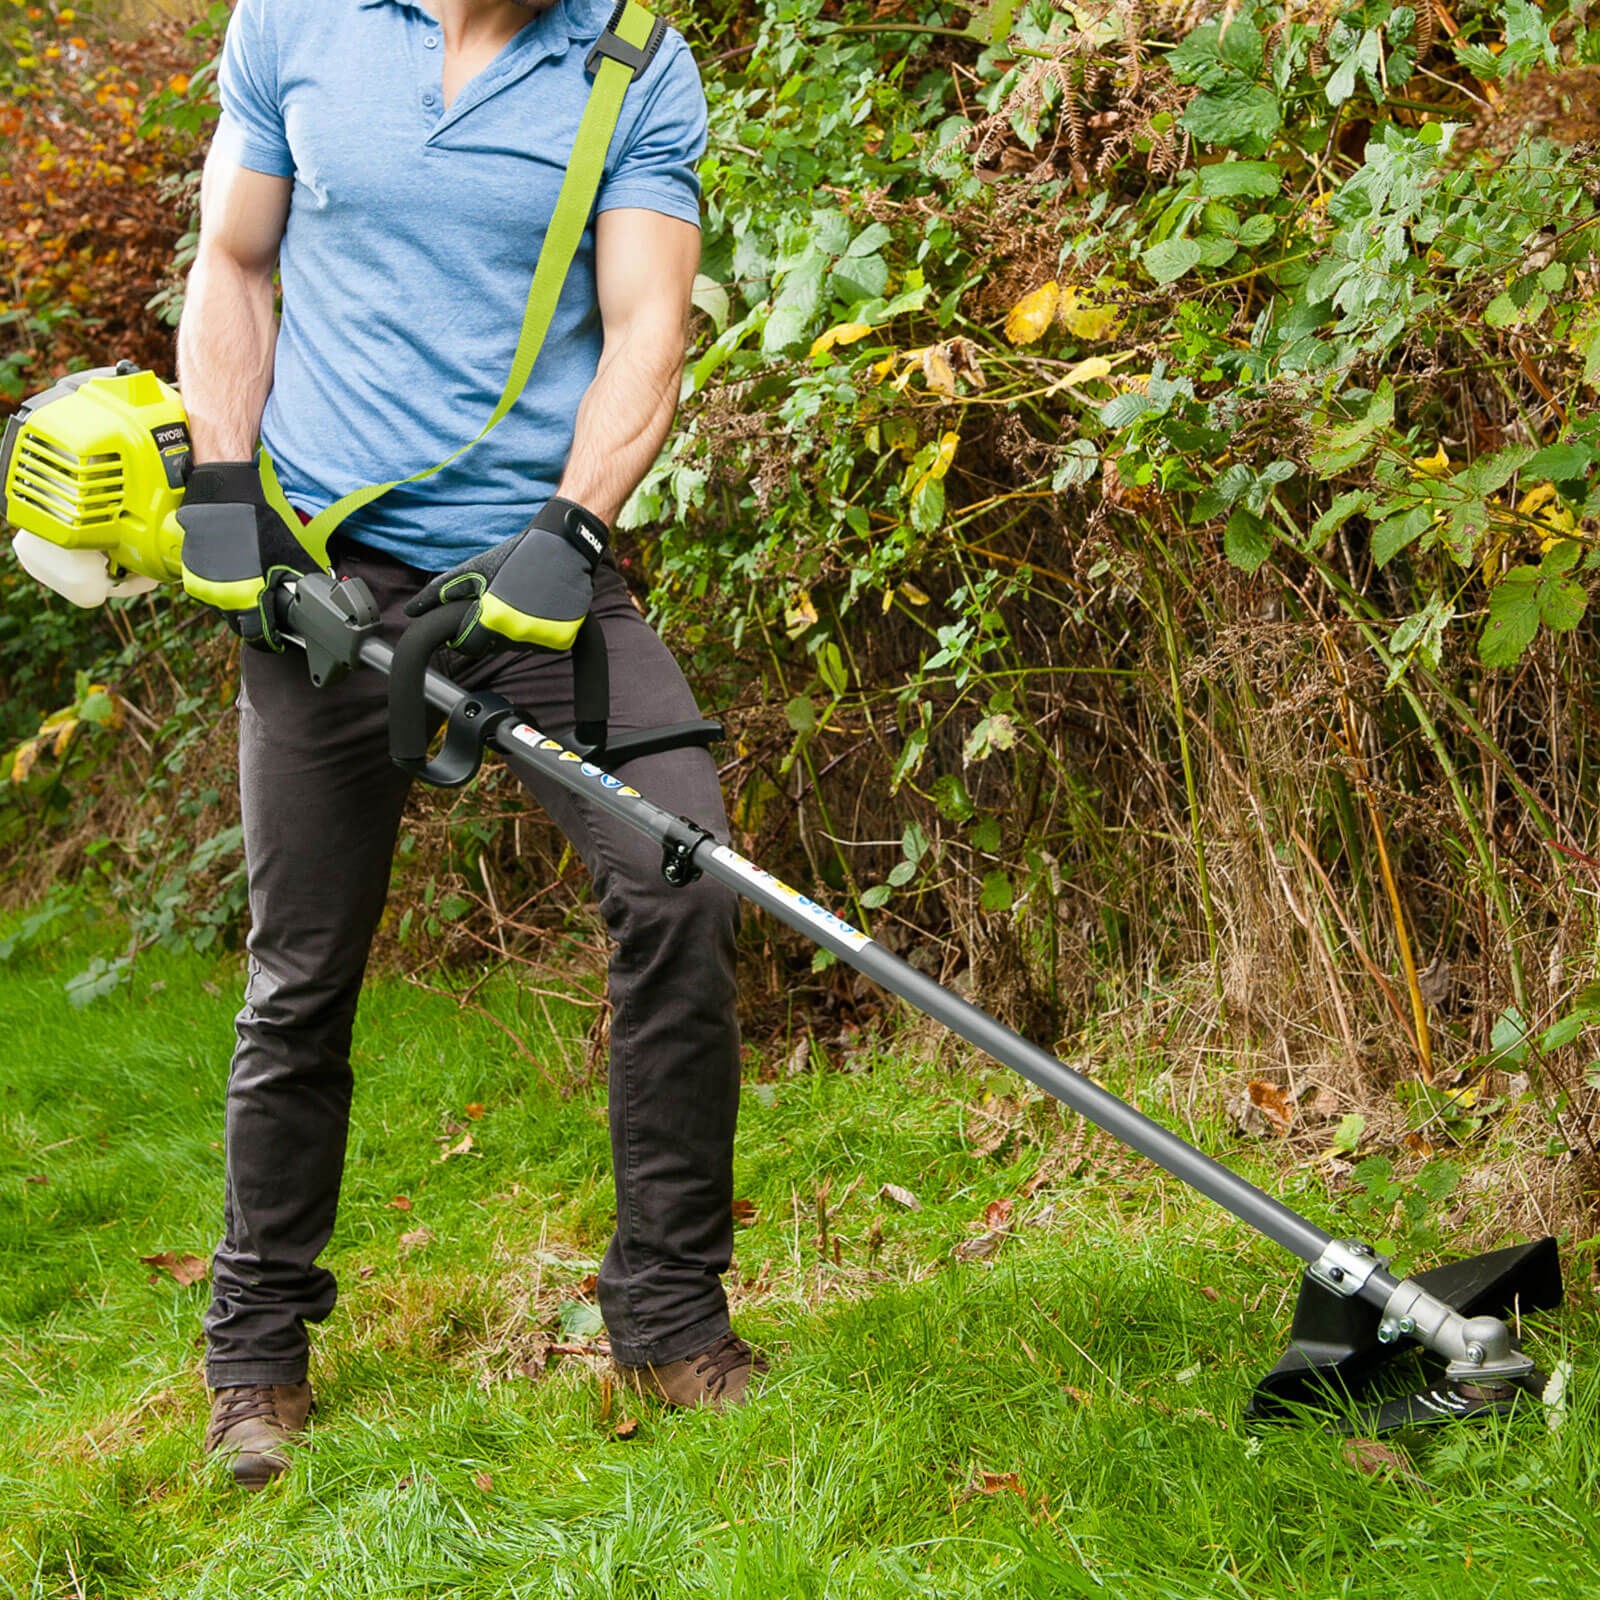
column 1061, row 1418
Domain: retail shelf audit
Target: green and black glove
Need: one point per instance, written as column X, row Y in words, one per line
column 531, row 591
column 236, row 547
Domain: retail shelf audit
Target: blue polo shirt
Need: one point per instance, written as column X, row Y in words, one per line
column 411, row 241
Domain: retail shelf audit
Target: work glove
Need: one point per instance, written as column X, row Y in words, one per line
column 532, row 590
column 236, row 548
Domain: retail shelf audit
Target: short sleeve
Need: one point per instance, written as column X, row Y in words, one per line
column 660, row 145
column 251, row 132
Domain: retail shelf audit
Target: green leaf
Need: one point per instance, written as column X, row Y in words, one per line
column 1561, row 605
column 992, row 23
column 1390, row 537
column 1241, row 116
column 1502, row 311
column 878, row 895
column 1345, row 505
column 950, row 797
column 1260, row 179
column 869, row 241
column 1513, row 618
column 1561, row 463
column 1079, row 463
column 913, row 842
column 1348, row 1136
column 1171, row 258
column 580, row 1319
column 802, row 714
column 996, row 894
column 1509, row 1037
column 902, row 873
column 1246, row 541
column 830, row 668
column 1126, row 408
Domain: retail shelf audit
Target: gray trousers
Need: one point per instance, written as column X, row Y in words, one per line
column 322, row 806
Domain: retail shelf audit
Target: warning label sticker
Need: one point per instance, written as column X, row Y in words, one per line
column 823, row 918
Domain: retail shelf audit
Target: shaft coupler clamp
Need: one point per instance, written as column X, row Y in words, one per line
column 677, row 853
column 1345, row 1265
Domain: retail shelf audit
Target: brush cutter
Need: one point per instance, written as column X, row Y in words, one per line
column 92, row 472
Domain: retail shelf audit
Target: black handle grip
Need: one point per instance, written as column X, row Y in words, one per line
column 408, row 671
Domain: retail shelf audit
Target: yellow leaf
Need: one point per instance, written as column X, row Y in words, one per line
column 1083, row 372
column 947, row 454
column 1085, row 318
column 1033, row 313
column 882, row 369
column 937, row 370
column 64, row 736
column 1535, row 498
column 840, row 333
column 799, row 615
column 22, row 762
column 913, row 594
column 1434, row 466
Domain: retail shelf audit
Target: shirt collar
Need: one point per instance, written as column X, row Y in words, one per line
column 555, row 17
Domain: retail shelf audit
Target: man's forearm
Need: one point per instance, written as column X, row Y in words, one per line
column 225, row 348
column 623, row 418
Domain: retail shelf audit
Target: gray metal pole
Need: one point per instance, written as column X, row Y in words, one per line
column 1473, row 1347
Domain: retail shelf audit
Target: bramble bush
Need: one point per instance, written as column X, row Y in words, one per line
column 1134, row 499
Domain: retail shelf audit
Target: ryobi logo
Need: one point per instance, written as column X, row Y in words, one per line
column 171, row 436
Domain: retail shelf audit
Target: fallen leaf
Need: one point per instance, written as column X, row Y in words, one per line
column 484, row 1482
column 416, row 1239
column 1261, row 1108
column 744, row 1213
column 904, row 1198
column 400, row 1203
column 365, row 1272
column 473, row 1109
column 463, row 1148
column 628, row 1428
column 799, row 1058
column 982, row 1247
column 36, row 1177
column 997, row 1214
column 1208, row 1291
column 1324, row 1104
column 999, row 1483
column 1033, row 313
column 186, row 1270
column 1374, row 1458
column 1082, row 1396
column 1417, row 1145
column 588, row 1283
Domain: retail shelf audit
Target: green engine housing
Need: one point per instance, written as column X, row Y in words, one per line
column 97, row 465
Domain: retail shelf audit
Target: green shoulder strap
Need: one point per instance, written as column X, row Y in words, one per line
column 628, row 43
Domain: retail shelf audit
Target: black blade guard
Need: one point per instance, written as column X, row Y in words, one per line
column 1334, row 1350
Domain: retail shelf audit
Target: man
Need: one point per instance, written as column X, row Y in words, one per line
column 397, row 162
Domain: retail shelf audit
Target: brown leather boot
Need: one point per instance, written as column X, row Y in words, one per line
column 252, row 1426
column 718, row 1376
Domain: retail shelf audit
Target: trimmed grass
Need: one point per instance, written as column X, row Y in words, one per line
column 1058, row 1418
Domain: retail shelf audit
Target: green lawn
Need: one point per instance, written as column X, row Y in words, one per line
column 1061, row 1418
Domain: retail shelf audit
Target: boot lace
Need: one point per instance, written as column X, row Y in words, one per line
column 240, row 1403
column 726, row 1356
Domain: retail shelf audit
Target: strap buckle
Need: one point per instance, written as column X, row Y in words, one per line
column 611, row 46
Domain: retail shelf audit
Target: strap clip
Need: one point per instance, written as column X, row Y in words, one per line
column 611, row 46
